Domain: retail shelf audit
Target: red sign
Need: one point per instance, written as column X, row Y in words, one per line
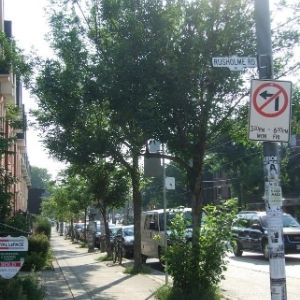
column 270, row 110
column 270, row 100
column 12, row 254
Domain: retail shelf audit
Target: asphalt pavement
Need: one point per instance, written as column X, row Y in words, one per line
column 80, row 275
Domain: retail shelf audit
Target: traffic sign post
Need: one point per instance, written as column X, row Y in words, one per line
column 269, row 122
column 270, row 110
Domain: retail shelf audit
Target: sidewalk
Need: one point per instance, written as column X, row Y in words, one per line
column 78, row 275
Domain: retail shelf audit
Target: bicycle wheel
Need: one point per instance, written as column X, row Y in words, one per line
column 114, row 254
column 120, row 254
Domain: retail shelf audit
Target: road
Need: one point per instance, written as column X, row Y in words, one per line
column 247, row 277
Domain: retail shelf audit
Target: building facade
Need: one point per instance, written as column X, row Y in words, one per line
column 13, row 161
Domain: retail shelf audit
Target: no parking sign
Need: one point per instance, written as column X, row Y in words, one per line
column 270, row 110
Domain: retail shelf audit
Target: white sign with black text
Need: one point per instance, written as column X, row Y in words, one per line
column 270, row 110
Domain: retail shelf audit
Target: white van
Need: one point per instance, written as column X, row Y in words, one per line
column 152, row 225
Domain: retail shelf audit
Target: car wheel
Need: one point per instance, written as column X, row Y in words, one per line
column 266, row 250
column 237, row 248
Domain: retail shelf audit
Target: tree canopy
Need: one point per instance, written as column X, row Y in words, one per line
column 128, row 71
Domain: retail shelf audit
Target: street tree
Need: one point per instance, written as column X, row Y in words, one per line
column 195, row 100
column 108, row 186
column 91, row 99
column 141, row 70
column 40, row 178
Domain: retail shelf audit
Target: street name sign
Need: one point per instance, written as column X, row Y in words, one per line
column 12, row 255
column 234, row 63
column 270, row 110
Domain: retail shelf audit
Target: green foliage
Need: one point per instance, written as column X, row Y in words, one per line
column 25, row 287
column 153, row 194
column 168, row 293
column 213, row 243
column 215, row 239
column 67, row 199
column 10, row 289
column 17, row 225
column 40, row 178
column 32, row 288
column 42, row 225
column 142, row 71
column 179, row 252
column 38, row 243
column 38, row 251
column 132, row 270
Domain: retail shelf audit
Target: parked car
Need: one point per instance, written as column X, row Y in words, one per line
column 112, row 233
column 250, row 233
column 127, row 235
column 78, row 227
column 100, row 236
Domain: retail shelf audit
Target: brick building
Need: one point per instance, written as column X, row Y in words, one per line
column 14, row 161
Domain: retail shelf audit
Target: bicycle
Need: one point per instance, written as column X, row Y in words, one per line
column 117, row 252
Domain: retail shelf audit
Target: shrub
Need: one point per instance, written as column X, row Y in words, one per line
column 32, row 288
column 166, row 292
column 21, row 288
column 17, row 225
column 10, row 289
column 214, row 239
column 38, row 250
column 38, row 243
column 42, row 225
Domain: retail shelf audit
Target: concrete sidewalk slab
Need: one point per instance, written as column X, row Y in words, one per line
column 78, row 275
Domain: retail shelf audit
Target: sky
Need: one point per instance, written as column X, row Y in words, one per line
column 29, row 25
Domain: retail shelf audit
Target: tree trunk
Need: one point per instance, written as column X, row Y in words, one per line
column 84, row 234
column 107, row 234
column 72, row 229
column 197, row 205
column 137, row 210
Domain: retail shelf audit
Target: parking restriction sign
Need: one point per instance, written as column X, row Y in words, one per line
column 270, row 110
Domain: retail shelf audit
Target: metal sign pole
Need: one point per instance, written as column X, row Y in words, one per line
column 273, row 197
column 165, row 212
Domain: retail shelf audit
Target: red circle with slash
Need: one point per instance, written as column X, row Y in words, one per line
column 280, row 92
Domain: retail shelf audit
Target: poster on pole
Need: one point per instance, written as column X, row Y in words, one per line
column 270, row 110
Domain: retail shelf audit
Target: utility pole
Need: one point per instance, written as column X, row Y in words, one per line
column 165, row 212
column 271, row 162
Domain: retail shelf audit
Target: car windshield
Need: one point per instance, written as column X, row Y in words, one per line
column 113, row 231
column 128, row 231
column 171, row 215
column 289, row 221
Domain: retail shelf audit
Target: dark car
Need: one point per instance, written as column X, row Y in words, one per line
column 100, row 236
column 250, row 233
column 78, row 227
column 127, row 234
